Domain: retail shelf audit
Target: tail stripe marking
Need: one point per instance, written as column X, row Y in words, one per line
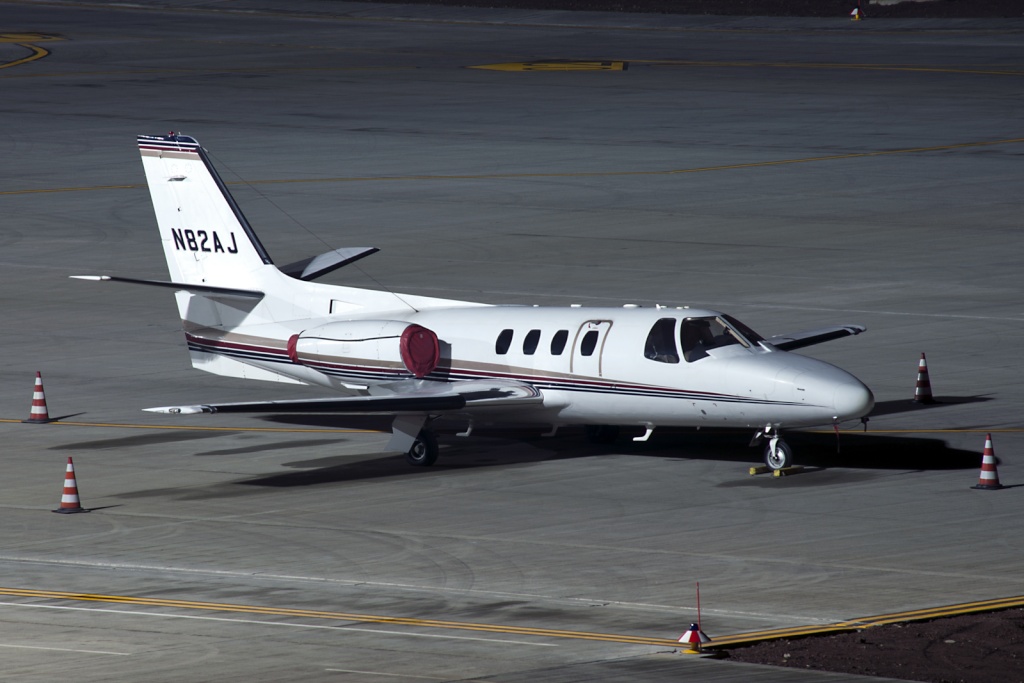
column 179, row 144
column 175, row 145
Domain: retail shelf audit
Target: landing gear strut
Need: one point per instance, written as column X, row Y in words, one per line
column 424, row 449
column 601, row 434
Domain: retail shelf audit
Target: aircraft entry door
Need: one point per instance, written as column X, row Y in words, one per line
column 588, row 347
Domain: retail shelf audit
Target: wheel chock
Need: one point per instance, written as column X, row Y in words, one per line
column 763, row 469
column 787, row 471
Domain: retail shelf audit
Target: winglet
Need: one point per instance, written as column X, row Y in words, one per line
column 790, row 342
column 181, row 410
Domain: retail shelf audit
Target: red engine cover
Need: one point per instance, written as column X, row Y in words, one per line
column 293, row 353
column 420, row 350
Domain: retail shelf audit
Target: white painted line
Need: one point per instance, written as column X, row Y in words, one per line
column 277, row 623
column 67, row 649
column 379, row 673
column 348, row 582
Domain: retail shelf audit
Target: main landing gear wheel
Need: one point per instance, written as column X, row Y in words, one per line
column 424, row 450
column 780, row 457
column 601, row 434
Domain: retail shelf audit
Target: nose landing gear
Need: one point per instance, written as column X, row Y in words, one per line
column 778, row 454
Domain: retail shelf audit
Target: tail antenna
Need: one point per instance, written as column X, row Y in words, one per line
column 249, row 184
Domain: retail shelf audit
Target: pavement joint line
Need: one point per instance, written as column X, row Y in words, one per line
column 380, row 673
column 541, row 65
column 64, row 649
column 570, row 25
column 721, row 641
column 580, row 174
column 167, row 70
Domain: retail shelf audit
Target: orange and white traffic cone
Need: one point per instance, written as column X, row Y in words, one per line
column 38, row 414
column 923, row 392
column 69, row 501
column 989, row 478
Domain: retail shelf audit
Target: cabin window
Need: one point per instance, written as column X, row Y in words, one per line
column 558, row 342
column 504, row 341
column 530, row 342
column 698, row 335
column 661, row 342
column 589, row 343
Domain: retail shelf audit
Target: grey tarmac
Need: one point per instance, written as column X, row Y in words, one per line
column 794, row 172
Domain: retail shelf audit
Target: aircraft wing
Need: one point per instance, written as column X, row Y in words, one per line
column 431, row 397
column 789, row 342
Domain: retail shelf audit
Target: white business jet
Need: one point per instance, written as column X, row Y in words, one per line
column 420, row 358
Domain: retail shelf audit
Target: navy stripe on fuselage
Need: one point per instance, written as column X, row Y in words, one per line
column 248, row 352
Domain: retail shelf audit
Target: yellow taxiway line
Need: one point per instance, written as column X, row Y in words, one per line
column 570, row 174
column 852, row 66
column 868, row 622
column 950, row 430
column 718, row 641
column 27, row 40
column 670, row 171
column 37, row 53
column 624, row 64
column 290, row 430
column 333, row 616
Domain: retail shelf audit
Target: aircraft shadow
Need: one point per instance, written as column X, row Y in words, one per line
column 909, row 405
column 820, row 450
column 508, row 448
column 139, row 440
column 456, row 454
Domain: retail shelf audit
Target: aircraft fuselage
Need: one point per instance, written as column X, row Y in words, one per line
column 593, row 365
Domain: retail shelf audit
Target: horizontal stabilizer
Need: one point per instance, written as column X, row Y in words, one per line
column 315, row 266
column 218, row 292
column 789, row 342
column 435, row 397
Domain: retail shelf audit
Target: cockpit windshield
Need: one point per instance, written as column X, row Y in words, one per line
column 696, row 337
column 699, row 335
column 751, row 336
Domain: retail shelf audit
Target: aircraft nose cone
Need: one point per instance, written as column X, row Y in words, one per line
column 853, row 399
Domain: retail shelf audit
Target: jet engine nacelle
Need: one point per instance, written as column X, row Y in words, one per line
column 393, row 342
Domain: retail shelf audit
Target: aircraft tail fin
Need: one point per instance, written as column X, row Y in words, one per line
column 206, row 238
